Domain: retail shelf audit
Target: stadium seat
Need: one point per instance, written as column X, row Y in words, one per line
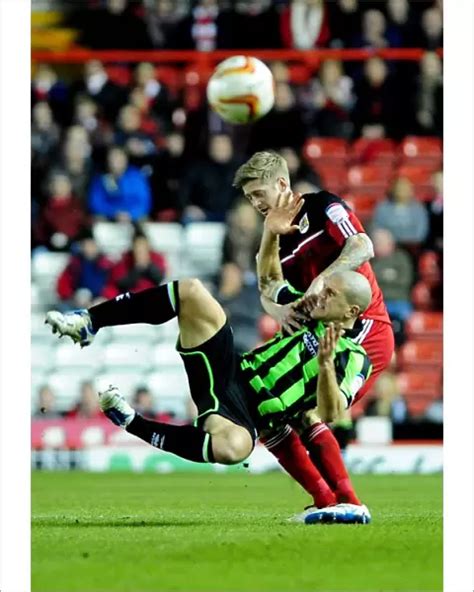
column 69, row 355
column 420, row 175
column 41, row 356
column 422, row 383
column 417, row 406
column 378, row 175
column 133, row 335
column 422, row 325
column 168, row 332
column 124, row 355
column 421, row 150
column 299, row 73
column 325, row 150
column 421, row 297
column 165, row 237
column 171, row 77
column 203, row 245
column 363, row 203
column 119, row 75
column 172, row 383
column 165, row 355
column 35, row 297
column 333, row 176
column 46, row 267
column 66, row 387
column 364, row 150
column 113, row 238
column 39, row 378
column 426, row 354
column 124, row 379
column 173, row 405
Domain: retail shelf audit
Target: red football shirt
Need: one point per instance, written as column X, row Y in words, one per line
column 325, row 223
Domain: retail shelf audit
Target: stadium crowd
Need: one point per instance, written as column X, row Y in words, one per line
column 136, row 143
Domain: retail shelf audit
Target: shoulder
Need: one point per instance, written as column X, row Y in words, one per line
column 318, row 204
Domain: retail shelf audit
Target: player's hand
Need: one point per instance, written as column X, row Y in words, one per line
column 279, row 219
column 328, row 342
column 290, row 319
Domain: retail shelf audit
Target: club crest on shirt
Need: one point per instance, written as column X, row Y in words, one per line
column 304, row 224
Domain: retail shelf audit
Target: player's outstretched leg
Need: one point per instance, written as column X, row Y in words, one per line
column 220, row 441
column 200, row 316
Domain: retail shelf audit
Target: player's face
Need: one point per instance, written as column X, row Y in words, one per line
column 265, row 195
column 331, row 303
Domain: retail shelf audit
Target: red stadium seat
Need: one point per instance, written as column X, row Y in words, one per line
column 299, row 73
column 419, row 175
column 325, row 150
column 424, row 325
column 171, row 77
column 420, row 383
column 421, row 354
column 333, row 176
column 119, row 75
column 363, row 203
column 378, row 175
column 365, row 150
column 419, row 150
column 417, row 406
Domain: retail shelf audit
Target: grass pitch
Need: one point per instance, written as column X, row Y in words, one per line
column 208, row 532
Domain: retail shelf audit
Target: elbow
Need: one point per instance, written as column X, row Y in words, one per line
column 367, row 246
column 328, row 415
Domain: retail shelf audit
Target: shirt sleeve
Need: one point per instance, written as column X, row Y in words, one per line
column 341, row 222
column 286, row 294
column 353, row 376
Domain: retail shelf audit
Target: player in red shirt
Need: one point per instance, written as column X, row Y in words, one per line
column 304, row 240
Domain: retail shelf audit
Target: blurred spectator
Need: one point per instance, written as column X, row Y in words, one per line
column 377, row 110
column 166, row 178
column 88, row 405
column 240, row 247
column 282, row 127
column 87, row 115
column 46, row 405
column 344, row 22
column 394, row 271
column 139, row 269
column 332, row 100
column 122, row 193
column 204, row 24
column 401, row 22
column 237, row 289
column 304, row 24
column 76, row 162
column 62, row 217
column 166, row 24
column 299, row 170
column 388, row 401
column 429, row 96
column 435, row 209
column 375, row 34
column 46, row 86
column 431, row 35
column 406, row 218
column 97, row 86
column 280, row 71
column 434, row 413
column 155, row 91
column 44, row 134
column 85, row 275
column 255, row 25
column 113, row 26
column 130, row 135
column 206, row 189
column 143, row 403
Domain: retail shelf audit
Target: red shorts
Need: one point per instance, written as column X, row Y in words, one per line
column 379, row 343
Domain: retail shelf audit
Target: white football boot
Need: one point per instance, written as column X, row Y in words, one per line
column 338, row 514
column 115, row 407
column 76, row 324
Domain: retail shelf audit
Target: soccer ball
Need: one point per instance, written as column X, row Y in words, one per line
column 241, row 89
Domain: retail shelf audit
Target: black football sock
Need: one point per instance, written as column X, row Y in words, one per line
column 186, row 441
column 153, row 306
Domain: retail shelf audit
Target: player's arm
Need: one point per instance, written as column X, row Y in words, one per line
column 328, row 394
column 345, row 229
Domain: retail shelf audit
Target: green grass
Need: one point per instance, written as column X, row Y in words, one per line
column 152, row 532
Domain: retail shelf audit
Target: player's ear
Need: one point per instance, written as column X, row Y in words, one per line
column 354, row 311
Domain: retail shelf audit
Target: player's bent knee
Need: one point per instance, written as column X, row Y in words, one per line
column 232, row 446
column 190, row 288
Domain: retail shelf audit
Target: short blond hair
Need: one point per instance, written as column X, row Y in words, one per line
column 263, row 166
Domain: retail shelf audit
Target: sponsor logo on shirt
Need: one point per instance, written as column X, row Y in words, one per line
column 311, row 343
column 336, row 213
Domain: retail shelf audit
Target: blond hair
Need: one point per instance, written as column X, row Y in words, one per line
column 263, row 166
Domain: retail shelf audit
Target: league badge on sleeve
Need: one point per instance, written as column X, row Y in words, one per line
column 304, row 224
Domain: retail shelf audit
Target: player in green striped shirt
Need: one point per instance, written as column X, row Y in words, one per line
column 320, row 366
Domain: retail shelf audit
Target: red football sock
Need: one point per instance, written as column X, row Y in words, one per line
column 326, row 455
column 293, row 457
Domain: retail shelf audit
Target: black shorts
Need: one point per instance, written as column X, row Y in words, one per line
column 214, row 381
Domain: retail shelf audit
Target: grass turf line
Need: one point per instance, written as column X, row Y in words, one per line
column 150, row 532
